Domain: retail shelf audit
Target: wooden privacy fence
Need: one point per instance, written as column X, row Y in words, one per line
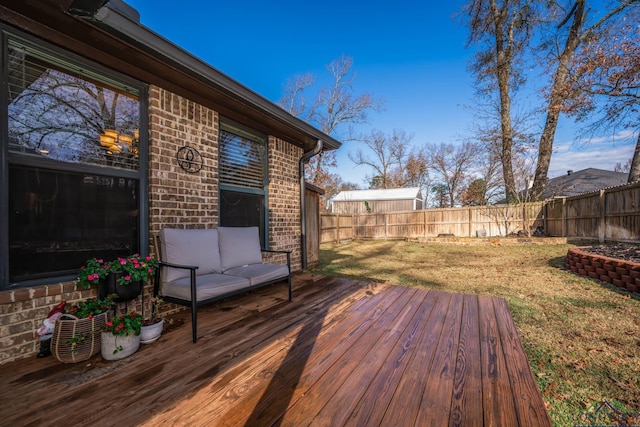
column 611, row 214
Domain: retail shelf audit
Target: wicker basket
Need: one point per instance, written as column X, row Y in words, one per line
column 87, row 331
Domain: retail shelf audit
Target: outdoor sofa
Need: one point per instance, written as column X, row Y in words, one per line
column 201, row 266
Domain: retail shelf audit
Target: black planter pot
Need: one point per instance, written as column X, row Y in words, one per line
column 110, row 286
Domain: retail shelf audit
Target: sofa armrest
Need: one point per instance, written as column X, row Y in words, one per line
column 172, row 265
column 288, row 253
column 156, row 284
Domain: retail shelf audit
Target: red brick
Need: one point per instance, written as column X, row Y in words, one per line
column 606, row 279
column 634, row 274
column 622, row 271
column 614, row 275
column 574, row 268
column 21, row 295
column 627, row 279
column 637, row 282
column 609, row 267
column 601, row 271
column 589, row 268
column 633, row 288
column 594, row 275
column 596, row 264
column 582, row 272
column 6, row 297
column 585, row 262
column 618, row 283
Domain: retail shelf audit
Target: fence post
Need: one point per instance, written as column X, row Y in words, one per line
column 353, row 226
column 338, row 228
column 544, row 218
column 424, row 222
column 602, row 220
column 385, row 226
column 470, row 223
column 564, row 217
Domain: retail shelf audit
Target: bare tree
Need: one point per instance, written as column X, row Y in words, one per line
column 293, row 99
column 383, row 154
column 502, row 30
column 605, row 77
column 452, row 164
column 335, row 107
column 623, row 168
column 571, row 32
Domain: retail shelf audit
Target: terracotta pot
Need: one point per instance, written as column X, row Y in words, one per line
column 110, row 286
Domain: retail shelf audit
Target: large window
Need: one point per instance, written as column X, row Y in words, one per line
column 73, row 159
column 243, row 179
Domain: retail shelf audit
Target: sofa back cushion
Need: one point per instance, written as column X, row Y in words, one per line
column 239, row 246
column 190, row 247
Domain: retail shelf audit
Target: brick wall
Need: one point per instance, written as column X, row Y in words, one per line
column 620, row 273
column 176, row 199
column 284, row 199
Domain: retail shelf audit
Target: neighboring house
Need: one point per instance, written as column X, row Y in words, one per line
column 376, row 201
column 583, row 181
column 110, row 133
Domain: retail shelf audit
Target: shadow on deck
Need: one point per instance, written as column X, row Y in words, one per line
column 343, row 352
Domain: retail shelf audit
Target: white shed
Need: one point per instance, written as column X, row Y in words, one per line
column 377, row 201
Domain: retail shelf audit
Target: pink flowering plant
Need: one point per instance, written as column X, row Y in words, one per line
column 92, row 272
column 133, row 268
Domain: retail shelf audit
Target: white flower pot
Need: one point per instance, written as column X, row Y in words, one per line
column 115, row 347
column 151, row 333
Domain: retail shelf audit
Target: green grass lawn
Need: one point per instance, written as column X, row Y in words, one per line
column 582, row 338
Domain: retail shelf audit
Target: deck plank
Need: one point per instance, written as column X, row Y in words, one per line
column 499, row 403
column 344, row 352
column 466, row 408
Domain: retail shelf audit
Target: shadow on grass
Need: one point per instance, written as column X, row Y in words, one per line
column 557, row 262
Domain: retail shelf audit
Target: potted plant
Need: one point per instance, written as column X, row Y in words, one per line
column 121, row 336
column 123, row 276
column 152, row 326
column 76, row 334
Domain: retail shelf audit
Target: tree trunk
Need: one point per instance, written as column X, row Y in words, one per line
column 504, row 63
column 558, row 92
column 634, row 171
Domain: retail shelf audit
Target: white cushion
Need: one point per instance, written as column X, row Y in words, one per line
column 189, row 247
column 239, row 246
column 207, row 286
column 260, row 273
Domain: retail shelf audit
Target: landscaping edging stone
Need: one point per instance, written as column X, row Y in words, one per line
column 618, row 272
column 491, row 241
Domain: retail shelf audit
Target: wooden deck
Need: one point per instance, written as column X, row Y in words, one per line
column 342, row 353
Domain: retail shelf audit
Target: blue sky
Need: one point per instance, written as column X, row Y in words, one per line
column 411, row 54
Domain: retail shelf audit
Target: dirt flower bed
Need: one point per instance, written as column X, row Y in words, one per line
column 623, row 251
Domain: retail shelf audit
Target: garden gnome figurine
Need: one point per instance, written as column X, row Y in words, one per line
column 46, row 330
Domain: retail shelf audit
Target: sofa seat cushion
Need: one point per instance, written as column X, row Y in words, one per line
column 239, row 246
column 207, row 286
column 259, row 273
column 189, row 247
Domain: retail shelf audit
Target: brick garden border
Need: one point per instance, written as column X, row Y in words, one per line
column 621, row 273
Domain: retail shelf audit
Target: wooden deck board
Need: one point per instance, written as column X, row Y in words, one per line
column 342, row 353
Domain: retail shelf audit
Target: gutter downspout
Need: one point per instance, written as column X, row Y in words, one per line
column 303, row 226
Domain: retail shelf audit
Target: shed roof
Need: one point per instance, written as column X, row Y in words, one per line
column 381, row 194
